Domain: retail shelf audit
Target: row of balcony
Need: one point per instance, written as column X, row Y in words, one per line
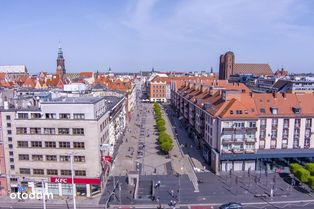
column 238, row 151
column 238, row 140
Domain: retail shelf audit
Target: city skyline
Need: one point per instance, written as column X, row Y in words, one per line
column 129, row 36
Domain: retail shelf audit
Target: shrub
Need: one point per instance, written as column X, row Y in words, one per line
column 294, row 167
column 310, row 167
column 166, row 146
column 302, row 174
column 310, row 182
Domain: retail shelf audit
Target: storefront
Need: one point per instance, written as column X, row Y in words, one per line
column 86, row 187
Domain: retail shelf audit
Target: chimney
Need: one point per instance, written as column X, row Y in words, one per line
column 274, row 94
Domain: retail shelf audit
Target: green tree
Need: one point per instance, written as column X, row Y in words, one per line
column 310, row 167
column 166, row 146
column 310, row 182
column 294, row 167
column 160, row 122
column 161, row 128
column 302, row 174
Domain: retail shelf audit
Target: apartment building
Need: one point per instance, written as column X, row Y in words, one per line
column 240, row 130
column 39, row 143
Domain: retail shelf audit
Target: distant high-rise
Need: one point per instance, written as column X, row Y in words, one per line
column 60, row 63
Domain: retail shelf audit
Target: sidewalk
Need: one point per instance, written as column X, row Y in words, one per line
column 57, row 200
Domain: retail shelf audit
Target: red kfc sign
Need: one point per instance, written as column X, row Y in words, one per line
column 63, row 180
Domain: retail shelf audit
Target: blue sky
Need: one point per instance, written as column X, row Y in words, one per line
column 181, row 35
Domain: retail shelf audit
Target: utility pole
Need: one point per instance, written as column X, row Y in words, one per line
column 43, row 193
column 73, row 185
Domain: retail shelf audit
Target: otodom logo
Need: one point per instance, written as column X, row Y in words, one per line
column 31, row 196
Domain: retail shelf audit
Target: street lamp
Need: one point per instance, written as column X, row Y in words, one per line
column 72, row 178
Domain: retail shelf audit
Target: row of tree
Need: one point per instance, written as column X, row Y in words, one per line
column 304, row 174
column 164, row 140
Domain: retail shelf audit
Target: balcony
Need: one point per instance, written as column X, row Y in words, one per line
column 238, row 151
column 238, row 141
column 286, row 125
column 227, row 141
column 225, row 151
column 249, row 151
column 250, row 140
column 274, row 125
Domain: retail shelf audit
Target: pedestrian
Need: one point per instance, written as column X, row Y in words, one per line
column 174, row 203
column 170, row 203
column 172, row 193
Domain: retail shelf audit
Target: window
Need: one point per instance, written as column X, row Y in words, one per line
column 8, row 117
column 38, row 171
column 37, row 158
column 64, row 116
column 22, row 144
column 78, row 116
column 64, row 158
column 238, row 112
column 51, row 116
column 52, row 172
column 65, row 172
column 36, row 144
column 9, row 125
column 25, row 171
column 78, row 145
column 80, row 173
column 50, row 144
column 51, row 157
column 49, row 131
column 78, row 131
column 79, row 158
column 22, row 116
column 9, row 132
column 21, row 130
column 11, row 160
column 252, row 124
column 64, row 131
column 12, row 167
column 285, row 123
column 23, row 157
column 274, row 111
column 11, row 153
column 35, row 115
column 64, row 144
column 35, row 130
column 10, row 139
column 11, row 146
column 262, row 110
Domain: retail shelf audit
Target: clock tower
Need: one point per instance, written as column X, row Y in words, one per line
column 60, row 63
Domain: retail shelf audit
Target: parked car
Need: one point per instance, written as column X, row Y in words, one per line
column 231, row 205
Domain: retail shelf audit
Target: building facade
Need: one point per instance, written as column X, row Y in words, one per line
column 40, row 142
column 240, row 130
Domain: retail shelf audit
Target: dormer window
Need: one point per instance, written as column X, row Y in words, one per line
column 274, row 111
column 231, row 112
column 262, row 110
column 238, row 112
column 296, row 110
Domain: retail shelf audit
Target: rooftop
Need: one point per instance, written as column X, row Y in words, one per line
column 74, row 100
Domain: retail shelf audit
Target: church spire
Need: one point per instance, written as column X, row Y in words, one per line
column 60, row 52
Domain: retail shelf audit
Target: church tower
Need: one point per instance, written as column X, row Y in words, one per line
column 226, row 63
column 60, row 63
